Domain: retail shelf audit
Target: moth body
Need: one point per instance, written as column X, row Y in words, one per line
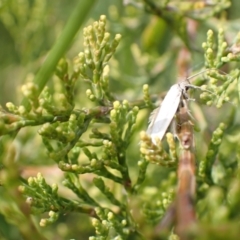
column 161, row 117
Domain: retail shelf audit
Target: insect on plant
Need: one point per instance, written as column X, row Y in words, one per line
column 161, row 117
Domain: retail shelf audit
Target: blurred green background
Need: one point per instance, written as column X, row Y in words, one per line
column 147, row 54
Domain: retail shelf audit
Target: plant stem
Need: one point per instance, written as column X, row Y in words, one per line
column 62, row 44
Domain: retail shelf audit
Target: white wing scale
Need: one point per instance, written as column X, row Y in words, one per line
column 161, row 117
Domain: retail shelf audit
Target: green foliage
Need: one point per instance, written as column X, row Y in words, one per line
column 87, row 120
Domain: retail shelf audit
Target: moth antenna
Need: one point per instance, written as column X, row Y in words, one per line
column 203, row 71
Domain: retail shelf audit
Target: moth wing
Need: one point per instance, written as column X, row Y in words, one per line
column 161, row 117
column 152, row 117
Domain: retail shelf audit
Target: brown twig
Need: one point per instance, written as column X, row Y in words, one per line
column 185, row 213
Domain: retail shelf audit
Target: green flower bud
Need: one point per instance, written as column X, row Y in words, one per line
column 110, row 216
column 43, row 222
column 124, row 222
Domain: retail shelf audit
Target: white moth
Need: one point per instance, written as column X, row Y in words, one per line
column 161, row 117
